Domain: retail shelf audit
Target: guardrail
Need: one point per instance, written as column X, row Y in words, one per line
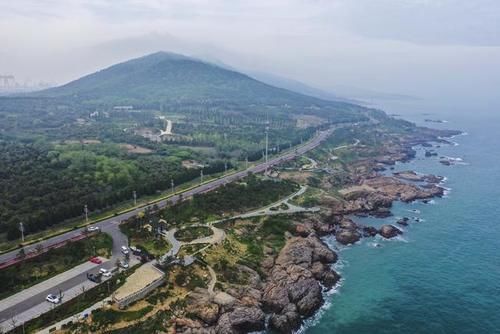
column 35, row 253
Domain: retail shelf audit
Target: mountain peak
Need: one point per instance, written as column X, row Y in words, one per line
column 170, row 78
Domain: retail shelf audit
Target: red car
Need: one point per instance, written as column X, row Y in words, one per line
column 95, row 260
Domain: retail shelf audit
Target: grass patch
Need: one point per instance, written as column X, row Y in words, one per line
column 103, row 318
column 192, row 233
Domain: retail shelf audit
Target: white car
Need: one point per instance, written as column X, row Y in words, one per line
column 105, row 272
column 53, row 299
column 125, row 250
column 124, row 264
column 93, row 229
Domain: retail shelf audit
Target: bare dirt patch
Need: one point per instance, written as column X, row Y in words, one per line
column 136, row 149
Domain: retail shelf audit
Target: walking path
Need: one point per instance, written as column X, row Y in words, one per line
column 217, row 237
column 168, row 129
column 266, row 211
column 213, row 280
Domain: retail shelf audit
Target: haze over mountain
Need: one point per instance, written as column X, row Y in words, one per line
column 164, row 77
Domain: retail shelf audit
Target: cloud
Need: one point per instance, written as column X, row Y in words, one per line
column 441, row 22
column 416, row 47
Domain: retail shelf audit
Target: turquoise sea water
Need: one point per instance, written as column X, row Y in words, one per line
column 443, row 275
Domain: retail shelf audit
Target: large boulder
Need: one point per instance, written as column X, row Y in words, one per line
column 306, row 294
column 403, row 221
column 208, row 313
column 241, row 320
column 287, row 321
column 348, row 224
column 389, row 231
column 293, row 287
column 346, row 237
column 369, row 231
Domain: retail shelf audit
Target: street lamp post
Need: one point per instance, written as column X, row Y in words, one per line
column 86, row 211
column 21, row 228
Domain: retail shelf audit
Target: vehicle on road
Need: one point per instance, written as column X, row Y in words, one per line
column 124, row 264
column 96, row 278
column 125, row 250
column 93, row 229
column 105, row 272
column 95, row 259
column 53, row 299
column 135, row 250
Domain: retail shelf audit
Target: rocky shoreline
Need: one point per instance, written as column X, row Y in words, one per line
column 289, row 287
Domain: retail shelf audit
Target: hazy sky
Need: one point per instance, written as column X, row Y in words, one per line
column 425, row 48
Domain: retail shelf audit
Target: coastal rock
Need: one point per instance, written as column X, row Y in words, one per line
column 185, row 325
column 287, row 321
column 403, row 221
column 381, row 213
column 324, row 274
column 369, row 231
column 348, row 224
column 346, row 237
column 389, row 231
column 241, row 320
column 293, row 290
column 397, row 189
column 324, row 229
column 309, row 296
column 207, row 312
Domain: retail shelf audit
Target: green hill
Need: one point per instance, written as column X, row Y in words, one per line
column 170, row 78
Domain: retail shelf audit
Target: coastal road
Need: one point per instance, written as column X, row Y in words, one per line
column 31, row 302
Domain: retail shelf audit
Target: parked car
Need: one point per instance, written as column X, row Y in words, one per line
column 135, row 250
column 93, row 229
column 95, row 259
column 125, row 250
column 124, row 264
column 53, row 299
column 105, row 272
column 96, row 278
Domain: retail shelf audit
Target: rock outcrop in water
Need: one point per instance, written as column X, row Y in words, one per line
column 389, row 231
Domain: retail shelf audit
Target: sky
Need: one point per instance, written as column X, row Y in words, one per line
column 429, row 49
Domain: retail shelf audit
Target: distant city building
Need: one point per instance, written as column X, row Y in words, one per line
column 7, row 81
column 123, row 108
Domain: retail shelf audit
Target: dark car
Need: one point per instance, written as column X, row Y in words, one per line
column 96, row 278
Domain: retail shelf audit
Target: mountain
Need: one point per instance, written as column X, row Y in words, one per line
column 172, row 78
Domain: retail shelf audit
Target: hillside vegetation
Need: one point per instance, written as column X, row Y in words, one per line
column 69, row 146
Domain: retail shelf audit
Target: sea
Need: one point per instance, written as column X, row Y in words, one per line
column 443, row 274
